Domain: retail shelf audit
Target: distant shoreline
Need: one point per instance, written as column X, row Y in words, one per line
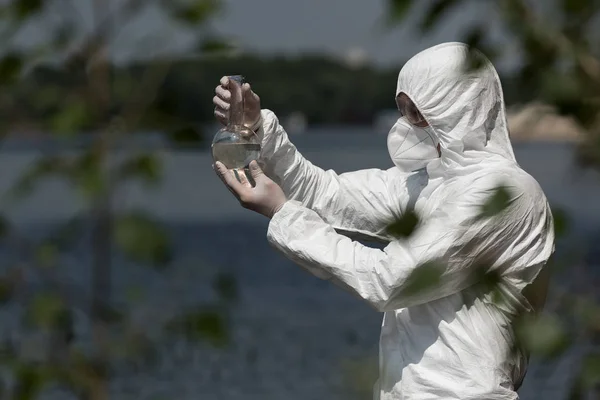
column 538, row 121
column 309, row 139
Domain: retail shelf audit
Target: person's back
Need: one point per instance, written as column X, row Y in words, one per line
column 462, row 345
column 453, row 337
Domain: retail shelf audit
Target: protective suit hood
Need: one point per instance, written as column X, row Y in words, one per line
column 464, row 106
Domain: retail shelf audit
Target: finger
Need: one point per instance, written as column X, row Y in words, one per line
column 223, row 93
column 220, row 103
column 248, row 93
column 224, row 81
column 255, row 171
column 230, row 179
column 246, row 89
column 221, row 177
column 220, row 113
column 243, row 178
column 222, row 116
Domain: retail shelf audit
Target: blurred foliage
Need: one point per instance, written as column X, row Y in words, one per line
column 142, row 239
column 180, row 105
column 404, row 226
column 360, row 376
column 543, row 335
column 424, row 278
column 67, row 86
column 226, row 287
column 561, row 222
column 496, row 203
column 202, row 324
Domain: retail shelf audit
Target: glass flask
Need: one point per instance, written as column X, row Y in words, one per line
column 236, row 145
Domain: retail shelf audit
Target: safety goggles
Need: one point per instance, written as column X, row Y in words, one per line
column 409, row 110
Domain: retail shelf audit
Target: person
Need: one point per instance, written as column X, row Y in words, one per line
column 453, row 338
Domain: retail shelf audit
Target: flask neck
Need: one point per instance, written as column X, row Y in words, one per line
column 236, row 110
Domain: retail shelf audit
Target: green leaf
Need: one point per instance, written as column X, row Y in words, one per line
column 397, row 10
column 142, row 239
column 88, row 176
column 9, row 283
column 135, row 294
column 225, row 286
column 196, row 11
column 576, row 6
column 10, row 68
column 489, row 279
column 43, row 168
column 202, row 324
column 405, row 226
column 474, row 40
column 561, row 222
column 123, row 85
column 543, row 335
column 588, row 312
column 145, row 167
column 590, row 373
column 359, row 377
column 47, row 96
column 423, row 278
column 5, row 227
column 567, row 91
column 71, row 118
column 48, row 311
column 25, row 8
column 46, row 255
column 7, row 288
column 188, row 136
column 497, row 203
column 30, row 379
column 213, row 46
column 435, row 12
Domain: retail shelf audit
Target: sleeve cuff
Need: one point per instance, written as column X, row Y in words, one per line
column 266, row 126
column 282, row 218
column 281, row 226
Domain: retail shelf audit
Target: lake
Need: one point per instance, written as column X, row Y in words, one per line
column 293, row 334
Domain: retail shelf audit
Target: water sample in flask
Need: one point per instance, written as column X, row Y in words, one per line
column 236, row 145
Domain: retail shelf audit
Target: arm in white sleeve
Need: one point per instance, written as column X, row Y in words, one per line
column 363, row 202
column 451, row 236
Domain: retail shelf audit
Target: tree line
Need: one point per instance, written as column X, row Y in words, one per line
column 324, row 89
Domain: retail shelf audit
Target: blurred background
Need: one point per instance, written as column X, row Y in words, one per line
column 129, row 271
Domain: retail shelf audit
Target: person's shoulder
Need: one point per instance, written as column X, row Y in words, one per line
column 511, row 180
column 522, row 183
column 504, row 175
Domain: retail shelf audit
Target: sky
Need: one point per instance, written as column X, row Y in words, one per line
column 338, row 26
column 335, row 27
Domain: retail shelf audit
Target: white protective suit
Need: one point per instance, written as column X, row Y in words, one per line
column 451, row 341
